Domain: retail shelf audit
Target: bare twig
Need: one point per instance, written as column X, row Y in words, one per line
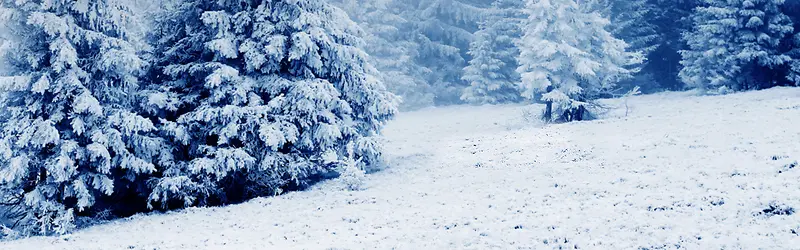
column 633, row 92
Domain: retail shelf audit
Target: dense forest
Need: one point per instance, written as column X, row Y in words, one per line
column 482, row 52
column 110, row 107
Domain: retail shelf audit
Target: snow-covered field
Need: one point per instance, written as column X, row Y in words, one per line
column 679, row 171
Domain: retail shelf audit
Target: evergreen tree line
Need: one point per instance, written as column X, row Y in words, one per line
column 106, row 112
column 211, row 102
column 458, row 51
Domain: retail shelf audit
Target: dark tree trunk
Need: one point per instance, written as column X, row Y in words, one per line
column 548, row 111
column 580, row 112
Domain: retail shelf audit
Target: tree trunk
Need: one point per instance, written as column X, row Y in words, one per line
column 548, row 111
column 580, row 112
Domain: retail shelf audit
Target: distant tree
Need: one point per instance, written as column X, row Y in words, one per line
column 443, row 30
column 392, row 49
column 633, row 22
column 792, row 9
column 492, row 71
column 737, row 44
column 568, row 55
column 420, row 47
column 794, row 67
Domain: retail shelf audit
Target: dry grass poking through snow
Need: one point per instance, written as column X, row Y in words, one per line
column 680, row 171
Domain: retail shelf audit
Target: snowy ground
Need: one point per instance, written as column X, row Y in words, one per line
column 679, row 171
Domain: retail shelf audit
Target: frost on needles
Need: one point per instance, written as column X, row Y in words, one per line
column 260, row 94
column 69, row 136
column 243, row 98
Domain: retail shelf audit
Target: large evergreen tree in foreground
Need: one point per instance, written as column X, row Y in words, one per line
column 568, row 56
column 244, row 98
column 261, row 95
column 68, row 136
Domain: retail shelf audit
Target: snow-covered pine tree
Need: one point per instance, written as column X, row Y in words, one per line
column 4, row 37
column 433, row 36
column 69, row 139
column 260, row 96
column 3, row 50
column 794, row 67
column 443, row 30
column 792, row 9
column 632, row 21
column 569, row 56
column 392, row 49
column 492, row 71
column 736, row 44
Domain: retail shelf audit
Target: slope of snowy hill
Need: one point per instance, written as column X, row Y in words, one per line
column 679, row 171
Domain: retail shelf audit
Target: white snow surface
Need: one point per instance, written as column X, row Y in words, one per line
column 678, row 171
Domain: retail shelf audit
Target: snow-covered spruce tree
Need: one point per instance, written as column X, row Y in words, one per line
column 632, row 21
column 736, row 44
column 261, row 95
column 3, row 50
column 492, row 71
column 69, row 139
column 443, row 30
column 792, row 9
column 392, row 49
column 569, row 57
column 432, row 36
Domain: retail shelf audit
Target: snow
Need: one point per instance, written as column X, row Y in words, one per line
column 678, row 171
